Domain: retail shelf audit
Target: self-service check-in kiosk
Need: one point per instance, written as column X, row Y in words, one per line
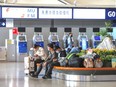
column 38, row 37
column 53, row 37
column 21, row 44
column 82, row 39
column 65, row 37
column 109, row 31
column 96, row 39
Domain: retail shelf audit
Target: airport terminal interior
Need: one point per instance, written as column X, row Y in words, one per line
column 24, row 23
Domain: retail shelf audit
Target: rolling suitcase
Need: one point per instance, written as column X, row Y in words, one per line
column 31, row 66
column 26, row 65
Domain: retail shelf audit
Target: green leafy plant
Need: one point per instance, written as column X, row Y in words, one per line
column 104, row 31
column 105, row 54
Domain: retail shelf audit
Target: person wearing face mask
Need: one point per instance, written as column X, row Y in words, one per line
column 54, row 62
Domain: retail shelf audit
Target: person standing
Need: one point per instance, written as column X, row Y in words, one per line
column 70, row 42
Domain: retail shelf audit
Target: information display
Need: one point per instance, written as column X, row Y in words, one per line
column 19, row 12
column 88, row 13
column 55, row 13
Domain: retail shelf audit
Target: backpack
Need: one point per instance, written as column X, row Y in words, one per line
column 63, row 53
column 74, row 60
column 71, row 55
column 98, row 63
column 88, row 63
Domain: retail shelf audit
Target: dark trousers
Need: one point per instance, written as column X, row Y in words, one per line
column 35, row 63
column 50, row 67
column 40, row 68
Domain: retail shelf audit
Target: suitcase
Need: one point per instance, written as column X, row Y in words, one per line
column 31, row 66
column 26, row 65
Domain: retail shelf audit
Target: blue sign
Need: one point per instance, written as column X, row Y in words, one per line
column 2, row 22
column 111, row 14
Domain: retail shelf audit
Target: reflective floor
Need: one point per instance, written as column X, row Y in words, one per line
column 12, row 75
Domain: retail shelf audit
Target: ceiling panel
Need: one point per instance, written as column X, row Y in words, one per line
column 78, row 3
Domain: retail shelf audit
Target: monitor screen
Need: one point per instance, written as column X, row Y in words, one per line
column 54, row 38
column 38, row 38
column 96, row 29
column 67, row 30
column 37, row 29
column 109, row 30
column 53, row 29
column 82, row 29
column 21, row 37
column 21, row 29
column 96, row 37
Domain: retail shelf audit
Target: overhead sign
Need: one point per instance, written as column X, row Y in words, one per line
column 0, row 12
column 2, row 22
column 88, row 13
column 111, row 14
column 17, row 12
column 55, row 13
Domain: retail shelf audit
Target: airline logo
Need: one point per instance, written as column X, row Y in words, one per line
column 111, row 14
column 15, row 12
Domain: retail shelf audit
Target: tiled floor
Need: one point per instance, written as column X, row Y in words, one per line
column 12, row 75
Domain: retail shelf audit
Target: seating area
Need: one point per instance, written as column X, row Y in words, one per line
column 84, row 74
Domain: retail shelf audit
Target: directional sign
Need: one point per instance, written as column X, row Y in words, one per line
column 2, row 22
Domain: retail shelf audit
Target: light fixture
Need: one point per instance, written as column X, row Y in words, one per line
column 64, row 2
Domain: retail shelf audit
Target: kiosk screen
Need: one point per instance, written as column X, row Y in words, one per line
column 21, row 38
column 54, row 38
column 38, row 38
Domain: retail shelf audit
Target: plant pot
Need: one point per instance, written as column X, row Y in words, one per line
column 107, row 63
column 113, row 62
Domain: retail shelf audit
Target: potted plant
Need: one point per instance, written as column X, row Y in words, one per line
column 104, row 31
column 106, row 56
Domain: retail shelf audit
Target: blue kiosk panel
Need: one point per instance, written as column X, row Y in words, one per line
column 40, row 43
column 22, row 47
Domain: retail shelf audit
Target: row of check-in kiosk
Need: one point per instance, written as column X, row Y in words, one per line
column 21, row 40
column 53, row 38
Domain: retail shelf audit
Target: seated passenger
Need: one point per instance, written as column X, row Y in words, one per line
column 61, row 56
column 50, row 60
column 75, row 50
column 39, row 55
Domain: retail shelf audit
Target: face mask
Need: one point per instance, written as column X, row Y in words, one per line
column 57, row 51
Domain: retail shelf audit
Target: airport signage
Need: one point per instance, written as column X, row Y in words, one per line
column 55, row 13
column 0, row 12
column 111, row 14
column 2, row 22
column 88, row 13
column 19, row 12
